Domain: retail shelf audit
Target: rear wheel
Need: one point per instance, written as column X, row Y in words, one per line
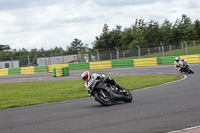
column 190, row 71
column 127, row 97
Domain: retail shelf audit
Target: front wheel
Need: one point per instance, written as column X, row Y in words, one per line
column 190, row 71
column 104, row 99
column 127, row 97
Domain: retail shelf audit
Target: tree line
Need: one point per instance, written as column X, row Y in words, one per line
column 148, row 34
column 145, row 34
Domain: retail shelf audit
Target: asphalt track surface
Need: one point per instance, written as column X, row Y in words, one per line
column 157, row 109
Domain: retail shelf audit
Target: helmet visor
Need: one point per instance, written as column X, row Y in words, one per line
column 85, row 78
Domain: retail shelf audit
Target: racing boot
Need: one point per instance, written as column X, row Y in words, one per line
column 121, row 89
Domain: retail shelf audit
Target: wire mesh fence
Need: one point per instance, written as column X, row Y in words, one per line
column 182, row 48
column 166, row 50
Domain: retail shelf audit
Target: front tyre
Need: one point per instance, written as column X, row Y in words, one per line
column 190, row 71
column 127, row 97
column 104, row 100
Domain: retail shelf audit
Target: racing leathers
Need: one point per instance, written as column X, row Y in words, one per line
column 101, row 77
column 177, row 64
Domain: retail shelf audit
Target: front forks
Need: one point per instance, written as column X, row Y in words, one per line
column 112, row 94
column 102, row 93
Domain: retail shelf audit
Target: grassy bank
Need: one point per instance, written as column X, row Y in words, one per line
column 31, row 93
column 179, row 52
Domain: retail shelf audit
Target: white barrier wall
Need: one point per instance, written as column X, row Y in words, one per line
column 9, row 64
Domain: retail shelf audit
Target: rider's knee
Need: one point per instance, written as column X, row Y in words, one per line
column 109, row 80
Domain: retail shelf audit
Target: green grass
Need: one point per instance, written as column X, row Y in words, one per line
column 179, row 52
column 31, row 93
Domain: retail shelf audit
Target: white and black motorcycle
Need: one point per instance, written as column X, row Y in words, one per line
column 184, row 67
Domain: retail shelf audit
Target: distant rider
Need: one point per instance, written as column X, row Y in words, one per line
column 90, row 78
column 178, row 62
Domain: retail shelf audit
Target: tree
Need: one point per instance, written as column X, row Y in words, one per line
column 127, row 38
column 182, row 27
column 189, row 34
column 197, row 29
column 103, row 40
column 152, row 34
column 135, row 35
column 109, row 39
column 166, row 32
column 75, row 47
column 4, row 47
column 116, row 36
column 56, row 51
column 176, row 35
column 138, row 33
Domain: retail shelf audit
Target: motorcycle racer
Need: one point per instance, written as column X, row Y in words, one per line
column 178, row 62
column 90, row 78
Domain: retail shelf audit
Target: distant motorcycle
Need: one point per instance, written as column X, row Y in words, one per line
column 184, row 67
column 107, row 94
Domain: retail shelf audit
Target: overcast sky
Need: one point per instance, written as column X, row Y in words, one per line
column 49, row 23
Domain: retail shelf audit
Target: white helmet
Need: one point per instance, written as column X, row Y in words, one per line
column 86, row 76
column 177, row 59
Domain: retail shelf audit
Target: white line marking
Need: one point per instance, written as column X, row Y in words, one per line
column 184, row 129
column 184, row 77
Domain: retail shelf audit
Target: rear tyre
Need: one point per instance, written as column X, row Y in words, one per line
column 106, row 101
column 190, row 71
column 127, row 97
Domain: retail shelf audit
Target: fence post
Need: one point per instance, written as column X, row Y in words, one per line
column 36, row 60
column 170, row 47
column 28, row 60
column 97, row 54
column 124, row 54
column 117, row 53
column 110, row 56
column 80, row 56
column 194, row 43
column 44, row 59
column 163, row 51
column 11, row 62
column 138, row 51
column 49, row 62
column 148, row 51
column 186, row 49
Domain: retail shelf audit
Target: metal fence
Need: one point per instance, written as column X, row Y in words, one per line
column 139, row 52
column 185, row 48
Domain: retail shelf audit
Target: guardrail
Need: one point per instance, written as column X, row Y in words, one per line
column 146, row 62
column 101, row 65
column 122, row 63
